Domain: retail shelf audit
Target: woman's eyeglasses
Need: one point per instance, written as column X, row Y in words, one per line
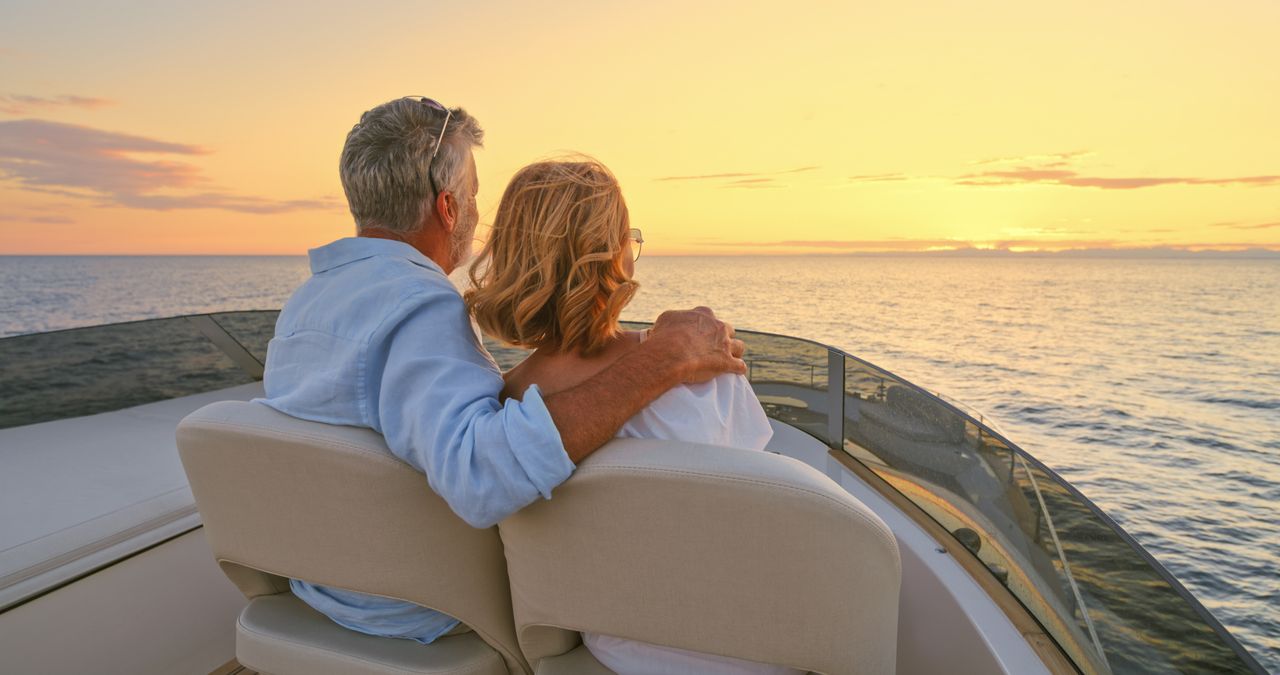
column 638, row 239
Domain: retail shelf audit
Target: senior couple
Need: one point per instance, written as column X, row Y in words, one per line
column 379, row 337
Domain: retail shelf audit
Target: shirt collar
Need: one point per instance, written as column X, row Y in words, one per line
column 351, row 249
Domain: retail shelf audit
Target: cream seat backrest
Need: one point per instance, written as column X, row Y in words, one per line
column 731, row 552
column 282, row 497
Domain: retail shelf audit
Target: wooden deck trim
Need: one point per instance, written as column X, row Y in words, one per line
column 233, row 667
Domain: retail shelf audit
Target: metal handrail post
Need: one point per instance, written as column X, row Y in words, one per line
column 835, row 399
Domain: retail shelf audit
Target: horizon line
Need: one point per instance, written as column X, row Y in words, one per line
column 1173, row 250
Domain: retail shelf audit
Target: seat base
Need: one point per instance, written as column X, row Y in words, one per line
column 281, row 635
column 579, row 661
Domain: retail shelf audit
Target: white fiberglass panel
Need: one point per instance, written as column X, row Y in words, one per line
column 78, row 493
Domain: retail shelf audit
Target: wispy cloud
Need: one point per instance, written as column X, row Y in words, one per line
column 706, row 176
column 42, row 219
column 753, row 183
column 1044, row 231
column 120, row 169
column 746, row 179
column 852, row 244
column 1030, row 175
column 961, row 246
column 1061, row 169
column 1242, row 226
column 1051, row 158
column 879, row 178
column 21, row 104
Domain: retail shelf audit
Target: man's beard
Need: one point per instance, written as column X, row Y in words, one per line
column 460, row 246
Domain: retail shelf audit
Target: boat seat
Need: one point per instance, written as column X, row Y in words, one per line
column 280, row 633
column 577, row 661
column 287, row 498
column 744, row 554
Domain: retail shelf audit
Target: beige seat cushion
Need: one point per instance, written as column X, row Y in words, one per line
column 287, row 498
column 281, row 635
column 722, row 551
column 577, row 662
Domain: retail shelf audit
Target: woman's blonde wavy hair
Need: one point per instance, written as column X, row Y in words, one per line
column 551, row 275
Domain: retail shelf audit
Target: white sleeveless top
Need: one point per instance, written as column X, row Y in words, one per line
column 722, row 411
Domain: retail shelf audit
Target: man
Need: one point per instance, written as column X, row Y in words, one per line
column 379, row 337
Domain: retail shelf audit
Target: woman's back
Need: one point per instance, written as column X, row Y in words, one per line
column 554, row 276
column 721, row 411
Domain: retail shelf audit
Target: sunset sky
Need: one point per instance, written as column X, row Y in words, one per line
column 172, row 127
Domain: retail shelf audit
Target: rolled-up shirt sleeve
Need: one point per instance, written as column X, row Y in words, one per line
column 433, row 394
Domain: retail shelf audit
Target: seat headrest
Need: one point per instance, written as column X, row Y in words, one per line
column 331, row 505
column 718, row 550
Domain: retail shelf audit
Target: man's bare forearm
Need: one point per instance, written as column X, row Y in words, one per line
column 591, row 413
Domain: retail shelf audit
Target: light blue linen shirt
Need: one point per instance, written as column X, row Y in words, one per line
column 379, row 337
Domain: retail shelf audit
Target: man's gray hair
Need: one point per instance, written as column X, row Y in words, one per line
column 388, row 153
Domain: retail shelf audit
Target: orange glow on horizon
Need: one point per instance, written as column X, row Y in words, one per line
column 911, row 127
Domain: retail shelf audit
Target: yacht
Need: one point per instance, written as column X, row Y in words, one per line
column 998, row 565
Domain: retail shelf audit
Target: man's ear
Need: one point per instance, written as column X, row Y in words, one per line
column 447, row 209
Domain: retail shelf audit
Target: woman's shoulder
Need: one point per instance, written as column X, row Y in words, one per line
column 722, row 411
column 554, row 372
column 722, row 384
column 725, row 395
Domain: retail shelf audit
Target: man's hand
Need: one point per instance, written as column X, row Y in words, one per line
column 703, row 344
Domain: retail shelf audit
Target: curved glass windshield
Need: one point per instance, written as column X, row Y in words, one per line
column 85, row 371
column 1109, row 605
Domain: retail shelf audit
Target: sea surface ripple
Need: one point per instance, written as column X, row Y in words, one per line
column 1152, row 385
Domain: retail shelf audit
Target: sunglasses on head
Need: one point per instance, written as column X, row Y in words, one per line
column 435, row 150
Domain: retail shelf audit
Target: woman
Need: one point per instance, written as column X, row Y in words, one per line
column 553, row 277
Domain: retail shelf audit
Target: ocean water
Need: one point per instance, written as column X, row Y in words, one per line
column 1152, row 385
